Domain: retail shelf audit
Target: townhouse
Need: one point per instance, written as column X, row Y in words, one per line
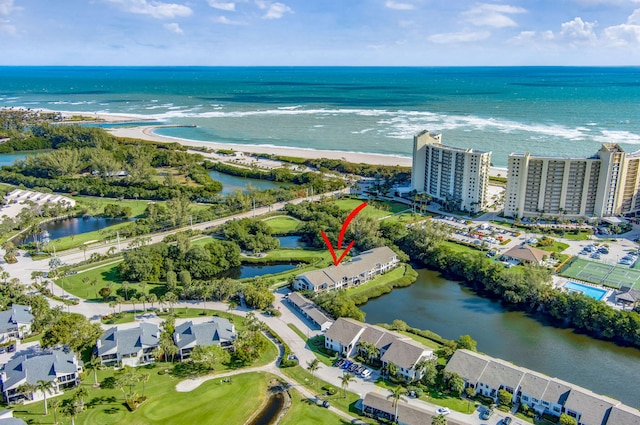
column 218, row 331
column 346, row 336
column 61, row 368
column 128, row 347
column 377, row 406
column 15, row 323
column 358, row 270
column 545, row 395
column 310, row 310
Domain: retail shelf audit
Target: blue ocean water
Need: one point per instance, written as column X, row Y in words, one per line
column 542, row 110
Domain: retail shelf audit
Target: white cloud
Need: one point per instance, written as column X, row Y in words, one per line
column 222, row 5
column 174, row 27
column 274, row 10
column 624, row 34
column 6, row 7
column 226, row 21
column 156, row 9
column 578, row 30
column 459, row 37
column 634, row 18
column 7, row 28
column 391, row 4
column 492, row 15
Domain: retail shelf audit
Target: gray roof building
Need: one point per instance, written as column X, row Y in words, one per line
column 556, row 392
column 310, row 310
column 593, row 409
column 405, row 353
column 624, row 415
column 377, row 405
column 131, row 347
column 16, row 317
column 468, row 365
column 499, row 373
column 57, row 366
column 360, row 269
column 535, row 384
column 345, row 330
column 218, row 331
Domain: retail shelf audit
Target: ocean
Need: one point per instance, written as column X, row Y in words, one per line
column 542, row 110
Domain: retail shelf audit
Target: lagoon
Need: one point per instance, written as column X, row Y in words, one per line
column 452, row 310
column 72, row 226
column 254, row 270
column 230, row 184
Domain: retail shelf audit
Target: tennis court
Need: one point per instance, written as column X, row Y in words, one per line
column 603, row 274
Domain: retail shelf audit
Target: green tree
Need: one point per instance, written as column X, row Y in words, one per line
column 396, row 395
column 345, row 380
column 439, row 420
column 566, row 420
column 73, row 330
column 505, row 397
column 429, row 373
column 312, row 367
column 71, row 408
column 94, row 364
column 45, row 387
column 54, row 405
column 210, row 356
column 466, row 342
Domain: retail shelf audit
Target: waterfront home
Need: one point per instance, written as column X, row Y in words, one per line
column 128, row 347
column 545, row 395
column 346, row 335
column 358, row 270
column 378, row 406
column 15, row 323
column 310, row 310
column 59, row 367
column 525, row 254
column 218, row 331
column 406, row 354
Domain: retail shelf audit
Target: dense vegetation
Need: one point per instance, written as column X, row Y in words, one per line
column 525, row 288
column 250, row 234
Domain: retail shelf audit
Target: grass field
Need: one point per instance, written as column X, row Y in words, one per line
column 394, row 274
column 234, row 403
column 75, row 241
column 603, row 274
column 96, row 205
column 282, row 224
column 306, row 412
column 368, row 211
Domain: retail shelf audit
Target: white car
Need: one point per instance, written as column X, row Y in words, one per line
column 366, row 373
column 443, row 411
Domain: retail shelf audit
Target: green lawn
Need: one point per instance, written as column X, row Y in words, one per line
column 96, row 205
column 394, row 274
column 234, row 403
column 302, row 376
column 556, row 247
column 368, row 211
column 422, row 340
column 307, row 412
column 282, row 224
column 75, row 241
column 435, row 397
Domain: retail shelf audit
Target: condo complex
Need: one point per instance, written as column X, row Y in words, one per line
column 456, row 177
column 604, row 185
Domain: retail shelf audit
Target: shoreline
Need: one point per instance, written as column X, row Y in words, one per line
column 147, row 133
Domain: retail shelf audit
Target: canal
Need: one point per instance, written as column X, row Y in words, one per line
column 451, row 310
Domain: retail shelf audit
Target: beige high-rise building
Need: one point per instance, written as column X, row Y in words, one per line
column 458, row 178
column 604, row 185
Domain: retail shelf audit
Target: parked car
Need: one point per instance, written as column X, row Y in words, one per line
column 443, row 411
column 486, row 414
column 339, row 363
column 366, row 373
column 507, row 421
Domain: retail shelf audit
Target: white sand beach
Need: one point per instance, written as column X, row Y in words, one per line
column 147, row 133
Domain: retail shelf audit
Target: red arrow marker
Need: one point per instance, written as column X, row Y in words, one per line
column 351, row 216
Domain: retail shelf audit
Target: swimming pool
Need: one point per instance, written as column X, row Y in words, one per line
column 589, row 291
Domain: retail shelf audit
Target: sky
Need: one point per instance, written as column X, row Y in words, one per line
column 320, row 32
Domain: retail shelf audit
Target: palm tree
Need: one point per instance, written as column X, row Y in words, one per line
column 144, row 378
column 312, row 366
column 397, row 395
column 80, row 394
column 345, row 379
column 45, row 387
column 71, row 409
column 55, row 405
column 94, row 364
column 27, row 390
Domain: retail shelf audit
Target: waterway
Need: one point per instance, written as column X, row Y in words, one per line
column 291, row 242
column 10, row 158
column 72, row 226
column 451, row 310
column 232, row 183
column 254, row 270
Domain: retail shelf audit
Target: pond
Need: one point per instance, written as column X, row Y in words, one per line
column 291, row 242
column 72, row 226
column 232, row 183
column 253, row 270
column 452, row 310
column 10, row 158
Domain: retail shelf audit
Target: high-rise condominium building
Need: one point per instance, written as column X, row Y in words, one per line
column 603, row 185
column 458, row 178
